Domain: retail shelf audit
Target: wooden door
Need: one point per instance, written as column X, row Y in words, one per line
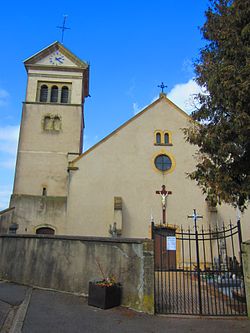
column 165, row 259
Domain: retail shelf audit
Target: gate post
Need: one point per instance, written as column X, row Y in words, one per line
column 152, row 230
column 195, row 217
column 245, row 248
column 198, row 267
column 240, row 240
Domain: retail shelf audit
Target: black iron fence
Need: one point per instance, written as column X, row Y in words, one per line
column 199, row 272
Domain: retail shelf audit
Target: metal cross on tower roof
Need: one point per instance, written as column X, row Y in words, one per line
column 162, row 86
column 63, row 27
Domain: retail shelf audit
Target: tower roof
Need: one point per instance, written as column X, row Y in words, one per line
column 38, row 61
column 56, row 46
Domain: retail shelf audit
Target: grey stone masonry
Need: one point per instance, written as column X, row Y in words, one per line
column 68, row 264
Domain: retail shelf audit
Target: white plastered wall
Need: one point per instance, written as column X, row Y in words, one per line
column 123, row 166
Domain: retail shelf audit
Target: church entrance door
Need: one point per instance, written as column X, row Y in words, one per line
column 165, row 254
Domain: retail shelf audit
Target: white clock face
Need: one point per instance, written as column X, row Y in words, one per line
column 56, row 58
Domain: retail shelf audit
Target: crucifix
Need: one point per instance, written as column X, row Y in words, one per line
column 164, row 194
column 63, row 26
column 162, row 86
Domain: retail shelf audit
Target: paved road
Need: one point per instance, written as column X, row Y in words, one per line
column 27, row 310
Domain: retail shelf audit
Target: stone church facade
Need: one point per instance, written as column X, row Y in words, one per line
column 109, row 189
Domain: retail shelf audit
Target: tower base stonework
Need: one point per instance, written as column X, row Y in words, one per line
column 34, row 212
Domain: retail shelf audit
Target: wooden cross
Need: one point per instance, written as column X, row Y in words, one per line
column 164, row 193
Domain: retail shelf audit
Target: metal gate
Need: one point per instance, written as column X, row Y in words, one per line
column 199, row 273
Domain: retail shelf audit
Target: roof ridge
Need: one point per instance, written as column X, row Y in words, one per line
column 162, row 97
column 56, row 45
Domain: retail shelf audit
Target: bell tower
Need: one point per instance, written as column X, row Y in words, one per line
column 51, row 135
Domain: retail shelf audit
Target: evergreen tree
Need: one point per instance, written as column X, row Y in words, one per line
column 221, row 129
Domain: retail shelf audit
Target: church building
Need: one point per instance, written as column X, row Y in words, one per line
column 135, row 175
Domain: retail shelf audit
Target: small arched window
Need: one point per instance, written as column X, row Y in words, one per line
column 54, row 94
column 45, row 231
column 57, row 123
column 158, row 138
column 48, row 123
column 44, row 193
column 44, row 93
column 65, row 95
column 166, row 138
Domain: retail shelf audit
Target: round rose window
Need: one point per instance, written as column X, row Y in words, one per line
column 163, row 162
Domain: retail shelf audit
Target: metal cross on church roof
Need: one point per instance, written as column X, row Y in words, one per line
column 162, row 86
column 63, row 26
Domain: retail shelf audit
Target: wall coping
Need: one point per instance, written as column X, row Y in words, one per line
column 45, row 197
column 82, row 238
column 6, row 210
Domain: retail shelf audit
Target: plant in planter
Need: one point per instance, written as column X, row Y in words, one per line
column 105, row 293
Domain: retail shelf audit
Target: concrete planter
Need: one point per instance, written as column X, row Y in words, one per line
column 104, row 297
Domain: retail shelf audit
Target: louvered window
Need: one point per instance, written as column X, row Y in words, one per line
column 43, row 93
column 54, row 94
column 65, row 95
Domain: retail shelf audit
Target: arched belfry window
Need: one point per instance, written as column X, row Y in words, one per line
column 54, row 94
column 158, row 138
column 65, row 95
column 43, row 93
column 166, row 138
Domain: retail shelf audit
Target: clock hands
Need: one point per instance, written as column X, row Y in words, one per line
column 59, row 59
column 56, row 58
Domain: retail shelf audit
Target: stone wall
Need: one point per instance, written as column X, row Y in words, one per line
column 69, row 263
column 6, row 219
column 246, row 268
column 33, row 211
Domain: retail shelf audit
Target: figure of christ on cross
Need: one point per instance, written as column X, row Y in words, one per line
column 164, row 193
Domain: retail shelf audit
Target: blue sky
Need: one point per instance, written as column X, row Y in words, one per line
column 132, row 46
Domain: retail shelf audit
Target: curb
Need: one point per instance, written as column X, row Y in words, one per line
column 19, row 318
